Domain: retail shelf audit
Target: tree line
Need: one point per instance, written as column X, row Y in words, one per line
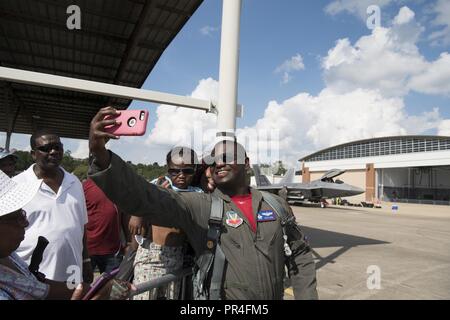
column 79, row 167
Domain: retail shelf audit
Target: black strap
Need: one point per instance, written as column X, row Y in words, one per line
column 214, row 231
column 215, row 223
column 213, row 252
column 286, row 220
column 215, row 287
column 276, row 205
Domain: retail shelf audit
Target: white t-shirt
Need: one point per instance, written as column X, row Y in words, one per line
column 60, row 218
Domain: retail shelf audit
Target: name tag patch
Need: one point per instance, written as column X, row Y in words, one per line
column 266, row 215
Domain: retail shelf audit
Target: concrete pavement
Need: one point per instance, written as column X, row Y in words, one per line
column 364, row 253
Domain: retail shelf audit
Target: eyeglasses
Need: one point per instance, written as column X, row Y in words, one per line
column 19, row 217
column 185, row 171
column 46, row 148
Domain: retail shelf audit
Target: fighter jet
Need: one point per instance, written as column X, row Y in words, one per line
column 314, row 191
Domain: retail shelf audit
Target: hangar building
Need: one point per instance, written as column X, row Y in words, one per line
column 413, row 169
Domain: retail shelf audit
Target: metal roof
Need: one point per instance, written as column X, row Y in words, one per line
column 390, row 138
column 119, row 42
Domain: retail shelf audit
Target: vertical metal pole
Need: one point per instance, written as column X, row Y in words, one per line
column 8, row 140
column 229, row 67
column 8, row 103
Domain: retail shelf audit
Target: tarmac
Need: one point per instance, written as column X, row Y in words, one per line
column 369, row 253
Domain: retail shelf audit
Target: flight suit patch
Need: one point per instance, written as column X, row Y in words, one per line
column 233, row 219
column 266, row 215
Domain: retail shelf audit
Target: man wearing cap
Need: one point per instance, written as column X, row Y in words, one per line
column 8, row 162
column 255, row 245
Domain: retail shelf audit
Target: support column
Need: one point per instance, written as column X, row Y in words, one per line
column 229, row 67
column 370, row 182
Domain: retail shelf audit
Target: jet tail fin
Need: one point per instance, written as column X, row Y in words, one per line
column 289, row 176
column 261, row 180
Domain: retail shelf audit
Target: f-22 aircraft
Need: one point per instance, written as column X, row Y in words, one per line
column 314, row 191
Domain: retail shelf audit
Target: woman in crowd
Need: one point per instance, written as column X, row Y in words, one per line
column 16, row 281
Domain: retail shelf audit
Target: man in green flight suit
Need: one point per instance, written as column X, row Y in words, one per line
column 252, row 238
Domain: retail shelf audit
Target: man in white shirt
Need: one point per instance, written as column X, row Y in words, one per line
column 57, row 212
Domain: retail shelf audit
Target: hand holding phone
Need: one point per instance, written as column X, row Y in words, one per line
column 98, row 285
column 132, row 123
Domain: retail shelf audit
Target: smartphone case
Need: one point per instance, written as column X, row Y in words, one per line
column 99, row 283
column 133, row 123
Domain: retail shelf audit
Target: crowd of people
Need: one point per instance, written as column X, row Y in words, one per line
column 203, row 215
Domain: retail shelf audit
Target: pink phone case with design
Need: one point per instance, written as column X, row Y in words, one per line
column 133, row 123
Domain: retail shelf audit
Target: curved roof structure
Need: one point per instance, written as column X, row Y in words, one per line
column 119, row 42
column 380, row 147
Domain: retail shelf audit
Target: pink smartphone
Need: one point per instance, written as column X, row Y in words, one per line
column 99, row 283
column 133, row 123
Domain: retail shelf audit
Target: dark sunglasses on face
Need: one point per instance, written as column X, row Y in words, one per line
column 19, row 217
column 186, row 171
column 227, row 158
column 46, row 148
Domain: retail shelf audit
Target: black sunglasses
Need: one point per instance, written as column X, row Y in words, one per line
column 46, row 148
column 226, row 158
column 186, row 171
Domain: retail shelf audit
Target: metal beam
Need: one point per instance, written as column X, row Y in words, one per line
column 58, row 70
column 66, row 83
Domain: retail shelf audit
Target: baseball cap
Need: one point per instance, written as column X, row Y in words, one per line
column 6, row 153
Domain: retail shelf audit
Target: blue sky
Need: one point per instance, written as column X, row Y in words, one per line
column 300, row 76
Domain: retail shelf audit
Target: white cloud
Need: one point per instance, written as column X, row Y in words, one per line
column 354, row 7
column 364, row 98
column 18, row 141
column 423, row 123
column 343, row 52
column 82, row 151
column 444, row 128
column 290, row 65
column 387, row 60
column 307, row 123
column 442, row 10
column 208, row 30
column 182, row 126
column 435, row 79
column 376, row 62
column 405, row 15
column 295, row 63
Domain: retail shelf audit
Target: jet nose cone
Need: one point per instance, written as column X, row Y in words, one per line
column 357, row 190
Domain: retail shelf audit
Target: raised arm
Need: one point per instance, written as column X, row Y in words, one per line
column 131, row 192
